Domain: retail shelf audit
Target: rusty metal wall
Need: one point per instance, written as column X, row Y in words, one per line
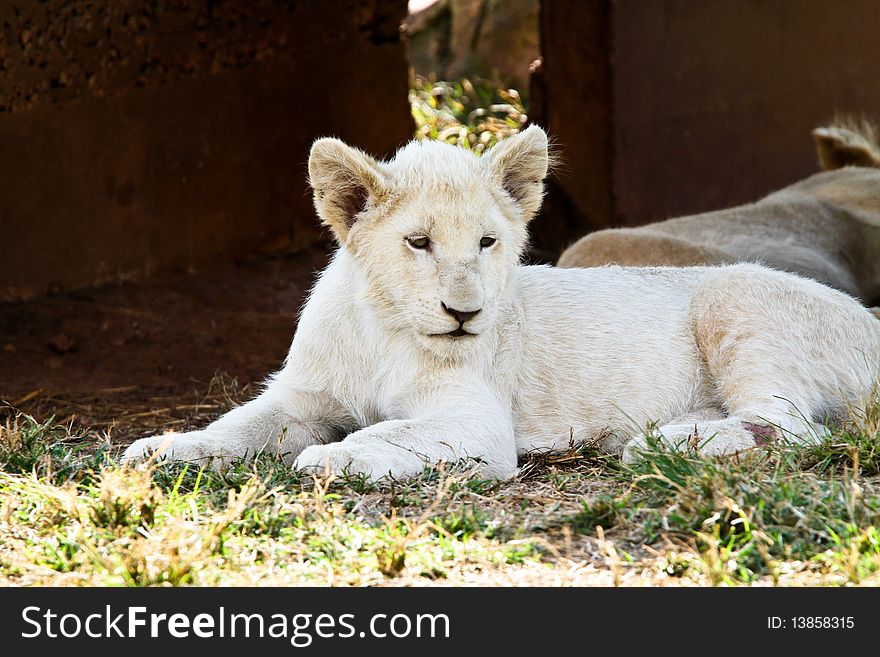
column 140, row 136
column 708, row 103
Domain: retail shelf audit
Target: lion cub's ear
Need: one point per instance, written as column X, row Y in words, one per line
column 520, row 164
column 344, row 181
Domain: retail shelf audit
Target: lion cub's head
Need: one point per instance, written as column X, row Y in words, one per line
column 437, row 231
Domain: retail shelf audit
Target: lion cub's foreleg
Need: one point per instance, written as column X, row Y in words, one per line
column 276, row 422
column 309, row 431
column 401, row 448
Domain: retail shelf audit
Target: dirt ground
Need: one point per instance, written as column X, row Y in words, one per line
column 151, row 349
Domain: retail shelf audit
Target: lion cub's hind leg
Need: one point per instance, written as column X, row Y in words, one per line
column 727, row 436
column 782, row 354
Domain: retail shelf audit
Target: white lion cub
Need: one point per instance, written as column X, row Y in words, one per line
column 425, row 341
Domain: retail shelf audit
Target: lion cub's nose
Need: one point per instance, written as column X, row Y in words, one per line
column 461, row 315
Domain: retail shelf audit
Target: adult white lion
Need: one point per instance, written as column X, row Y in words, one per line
column 424, row 340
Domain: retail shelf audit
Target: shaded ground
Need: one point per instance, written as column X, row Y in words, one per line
column 92, row 357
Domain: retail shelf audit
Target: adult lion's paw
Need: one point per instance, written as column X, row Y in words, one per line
column 194, row 447
column 375, row 461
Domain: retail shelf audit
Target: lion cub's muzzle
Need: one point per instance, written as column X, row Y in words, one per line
column 461, row 316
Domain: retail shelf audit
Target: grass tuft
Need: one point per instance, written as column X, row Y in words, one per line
column 473, row 114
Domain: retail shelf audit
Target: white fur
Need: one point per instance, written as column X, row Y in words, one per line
column 705, row 353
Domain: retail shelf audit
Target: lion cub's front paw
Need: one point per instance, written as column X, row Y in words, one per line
column 195, row 447
column 145, row 448
column 375, row 461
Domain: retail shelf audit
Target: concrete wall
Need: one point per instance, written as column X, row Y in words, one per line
column 140, row 136
column 687, row 105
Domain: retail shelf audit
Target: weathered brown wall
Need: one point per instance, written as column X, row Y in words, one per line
column 575, row 98
column 140, row 136
column 709, row 104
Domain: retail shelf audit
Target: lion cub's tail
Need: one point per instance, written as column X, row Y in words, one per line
column 848, row 142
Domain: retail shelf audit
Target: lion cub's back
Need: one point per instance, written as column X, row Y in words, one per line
column 601, row 311
column 603, row 348
column 627, row 292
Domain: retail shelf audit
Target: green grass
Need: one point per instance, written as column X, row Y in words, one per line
column 753, row 515
column 70, row 515
column 474, row 114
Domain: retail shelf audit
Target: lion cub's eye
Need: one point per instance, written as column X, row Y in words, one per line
column 486, row 242
column 419, row 242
